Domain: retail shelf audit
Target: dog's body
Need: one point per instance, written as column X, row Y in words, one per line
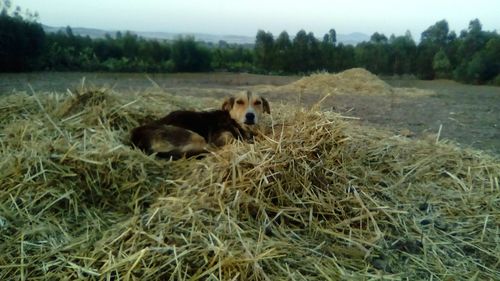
column 189, row 133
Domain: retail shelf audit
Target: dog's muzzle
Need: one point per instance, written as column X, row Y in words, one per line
column 249, row 118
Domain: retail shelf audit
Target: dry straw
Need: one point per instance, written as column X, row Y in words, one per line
column 316, row 197
column 356, row 81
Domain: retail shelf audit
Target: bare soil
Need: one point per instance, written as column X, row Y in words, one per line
column 467, row 114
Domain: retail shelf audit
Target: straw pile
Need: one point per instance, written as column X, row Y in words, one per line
column 360, row 81
column 315, row 198
column 355, row 81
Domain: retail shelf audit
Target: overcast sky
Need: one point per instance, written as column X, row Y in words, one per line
column 245, row 17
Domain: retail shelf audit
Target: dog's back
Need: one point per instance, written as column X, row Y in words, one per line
column 185, row 133
column 208, row 124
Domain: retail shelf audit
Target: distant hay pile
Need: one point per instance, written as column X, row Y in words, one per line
column 352, row 81
column 315, row 198
column 355, row 81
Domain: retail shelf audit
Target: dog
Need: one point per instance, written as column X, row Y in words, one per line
column 189, row 133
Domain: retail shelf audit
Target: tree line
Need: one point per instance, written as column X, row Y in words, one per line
column 473, row 56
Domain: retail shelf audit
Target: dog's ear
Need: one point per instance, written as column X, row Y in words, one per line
column 265, row 105
column 228, row 104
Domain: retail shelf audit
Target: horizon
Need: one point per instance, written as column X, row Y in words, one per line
column 247, row 17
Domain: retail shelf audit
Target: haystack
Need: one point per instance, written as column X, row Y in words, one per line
column 355, row 81
column 314, row 198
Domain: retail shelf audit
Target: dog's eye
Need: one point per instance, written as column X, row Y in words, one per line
column 240, row 102
column 257, row 102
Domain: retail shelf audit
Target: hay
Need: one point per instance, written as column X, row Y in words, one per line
column 356, row 81
column 315, row 198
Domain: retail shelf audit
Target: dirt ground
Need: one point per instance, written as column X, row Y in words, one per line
column 467, row 114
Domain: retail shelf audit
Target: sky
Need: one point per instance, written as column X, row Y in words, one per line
column 245, row 17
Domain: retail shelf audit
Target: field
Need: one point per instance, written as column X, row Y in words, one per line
column 349, row 178
column 467, row 114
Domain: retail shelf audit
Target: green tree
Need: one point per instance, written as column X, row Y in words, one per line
column 403, row 52
column 441, row 65
column 306, row 55
column 378, row 38
column 314, row 59
column 492, row 56
column 433, row 39
column 21, row 40
column 472, row 40
column 188, row 56
column 344, row 57
column 332, row 36
column 476, row 59
column 327, row 51
column 374, row 55
column 436, row 34
column 264, row 50
column 130, row 45
column 424, row 60
column 299, row 52
column 232, row 57
column 282, row 51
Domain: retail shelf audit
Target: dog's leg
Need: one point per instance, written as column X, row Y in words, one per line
column 223, row 138
column 195, row 146
column 179, row 142
column 141, row 137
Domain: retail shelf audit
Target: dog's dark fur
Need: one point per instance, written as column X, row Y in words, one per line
column 186, row 133
column 208, row 124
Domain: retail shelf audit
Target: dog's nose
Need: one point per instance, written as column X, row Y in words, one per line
column 249, row 118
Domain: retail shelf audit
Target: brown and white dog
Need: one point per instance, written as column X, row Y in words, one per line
column 190, row 133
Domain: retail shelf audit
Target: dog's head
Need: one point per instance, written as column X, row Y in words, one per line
column 246, row 108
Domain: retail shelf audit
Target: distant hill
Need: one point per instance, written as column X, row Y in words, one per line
column 349, row 39
column 352, row 38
